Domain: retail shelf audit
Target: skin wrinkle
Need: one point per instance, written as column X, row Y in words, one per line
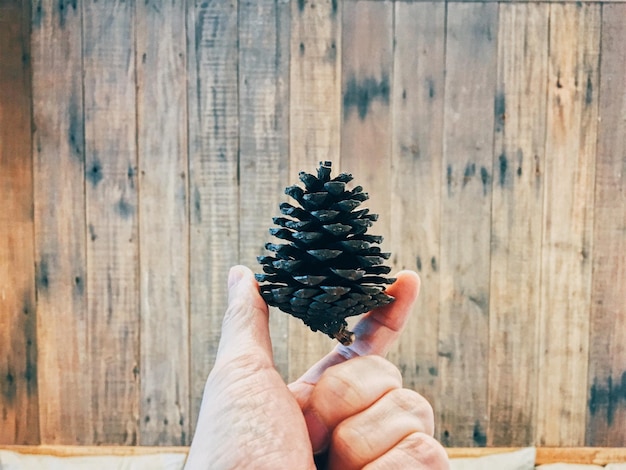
column 342, row 390
column 241, row 366
column 255, row 460
column 433, row 449
column 345, row 390
column 256, row 450
column 250, row 342
column 356, row 349
column 415, row 404
column 244, row 420
column 404, row 456
column 233, row 320
column 246, row 378
column 345, row 441
column 348, row 389
column 357, row 449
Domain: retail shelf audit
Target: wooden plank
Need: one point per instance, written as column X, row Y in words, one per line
column 59, row 173
column 606, row 415
column 163, row 251
column 213, row 190
column 314, row 123
column 84, row 451
column 516, row 222
column 465, row 222
column 583, row 455
column 19, row 421
column 264, row 142
column 568, row 218
column 367, row 63
column 111, row 205
column 417, row 139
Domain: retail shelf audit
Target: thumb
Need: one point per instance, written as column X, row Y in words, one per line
column 245, row 328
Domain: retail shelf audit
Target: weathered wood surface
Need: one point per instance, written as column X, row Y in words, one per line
column 19, row 415
column 569, row 176
column 470, row 81
column 111, row 198
column 145, row 177
column 60, row 231
column 516, row 222
column 163, row 243
column 606, row 414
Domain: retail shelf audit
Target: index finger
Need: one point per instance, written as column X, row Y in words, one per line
column 375, row 332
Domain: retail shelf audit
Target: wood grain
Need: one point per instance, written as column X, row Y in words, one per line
column 213, row 176
column 163, row 249
column 516, row 222
column 465, row 222
column 568, row 221
column 264, row 138
column 417, row 140
column 60, row 231
column 606, row 413
column 112, row 219
column 367, row 63
column 19, row 423
column 314, row 128
column 315, row 91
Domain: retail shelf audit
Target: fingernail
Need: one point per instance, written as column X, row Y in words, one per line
column 234, row 276
column 318, row 432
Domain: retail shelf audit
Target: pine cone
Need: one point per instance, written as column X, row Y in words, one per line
column 328, row 269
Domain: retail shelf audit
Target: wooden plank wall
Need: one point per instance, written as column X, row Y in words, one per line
column 144, row 148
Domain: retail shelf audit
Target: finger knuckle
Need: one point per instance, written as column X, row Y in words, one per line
column 338, row 386
column 345, row 385
column 414, row 403
column 350, row 442
column 426, row 450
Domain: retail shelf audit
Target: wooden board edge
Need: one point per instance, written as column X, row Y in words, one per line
column 548, row 455
column 545, row 455
column 82, row 451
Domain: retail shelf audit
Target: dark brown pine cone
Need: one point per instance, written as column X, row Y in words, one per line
column 329, row 267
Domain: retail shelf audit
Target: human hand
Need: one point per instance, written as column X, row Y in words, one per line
column 351, row 404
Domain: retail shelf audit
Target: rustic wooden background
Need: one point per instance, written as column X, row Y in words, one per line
column 145, row 146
